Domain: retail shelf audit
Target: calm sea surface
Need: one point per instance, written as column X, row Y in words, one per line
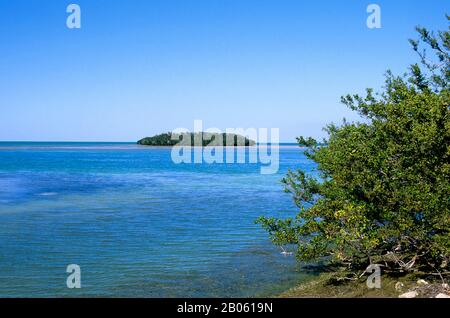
column 138, row 224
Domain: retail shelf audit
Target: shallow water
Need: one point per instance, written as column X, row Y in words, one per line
column 138, row 224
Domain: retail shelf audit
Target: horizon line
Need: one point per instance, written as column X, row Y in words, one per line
column 101, row 141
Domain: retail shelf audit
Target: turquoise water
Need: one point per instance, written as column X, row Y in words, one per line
column 137, row 224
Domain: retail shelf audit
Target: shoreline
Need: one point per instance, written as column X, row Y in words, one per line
column 327, row 285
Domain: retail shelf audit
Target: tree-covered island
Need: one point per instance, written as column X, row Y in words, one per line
column 196, row 139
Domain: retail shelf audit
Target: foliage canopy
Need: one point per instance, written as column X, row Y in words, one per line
column 383, row 195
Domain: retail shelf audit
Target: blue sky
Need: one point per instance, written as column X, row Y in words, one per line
column 137, row 68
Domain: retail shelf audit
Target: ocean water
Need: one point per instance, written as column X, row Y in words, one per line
column 137, row 224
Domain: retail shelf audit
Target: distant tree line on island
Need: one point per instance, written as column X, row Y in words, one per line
column 196, row 139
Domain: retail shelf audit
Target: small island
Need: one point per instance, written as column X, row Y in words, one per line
column 196, row 139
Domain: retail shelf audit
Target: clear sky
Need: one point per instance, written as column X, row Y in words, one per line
column 137, row 68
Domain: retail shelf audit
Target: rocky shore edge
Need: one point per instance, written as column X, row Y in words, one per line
column 331, row 285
